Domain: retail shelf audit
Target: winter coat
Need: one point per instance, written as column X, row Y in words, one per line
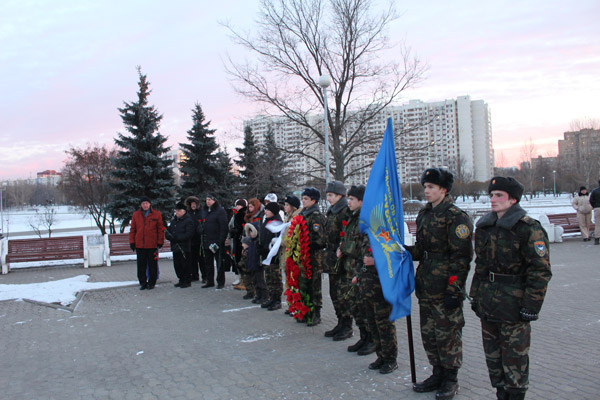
column 581, row 204
column 146, row 232
column 195, row 215
column 595, row 197
column 214, row 226
column 265, row 236
column 180, row 233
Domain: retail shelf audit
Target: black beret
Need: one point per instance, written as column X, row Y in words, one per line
column 145, row 198
column 273, row 207
column 313, row 193
column 293, row 201
column 180, row 206
column 357, row 191
column 438, row 176
column 509, row 185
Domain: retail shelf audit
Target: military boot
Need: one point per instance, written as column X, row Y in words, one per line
column 257, row 298
column 367, row 348
column 516, row 396
column 316, row 317
column 432, row 383
column 449, row 386
column 388, row 367
column 276, row 305
column 267, row 301
column 501, row 394
column 356, row 346
column 345, row 332
column 597, row 241
column 335, row 330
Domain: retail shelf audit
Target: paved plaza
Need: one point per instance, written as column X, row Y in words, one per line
column 196, row 343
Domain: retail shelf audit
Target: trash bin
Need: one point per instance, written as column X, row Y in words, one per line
column 96, row 255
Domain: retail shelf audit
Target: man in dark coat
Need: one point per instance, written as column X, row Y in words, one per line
column 180, row 233
column 196, row 258
column 146, row 236
column 512, row 271
column 595, row 202
column 214, row 233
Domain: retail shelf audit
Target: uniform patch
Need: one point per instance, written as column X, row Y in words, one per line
column 316, row 227
column 463, row 231
column 540, row 248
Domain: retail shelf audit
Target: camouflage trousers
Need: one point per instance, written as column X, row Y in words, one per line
column 245, row 275
column 506, row 347
column 274, row 280
column 337, row 290
column 377, row 313
column 441, row 333
column 351, row 302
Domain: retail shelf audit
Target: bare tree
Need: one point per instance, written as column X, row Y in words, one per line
column 584, row 123
column 296, row 42
column 527, row 171
column 85, row 178
column 45, row 219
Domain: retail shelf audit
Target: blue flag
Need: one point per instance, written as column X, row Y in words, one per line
column 381, row 218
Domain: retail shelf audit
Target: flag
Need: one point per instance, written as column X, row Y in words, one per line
column 381, row 218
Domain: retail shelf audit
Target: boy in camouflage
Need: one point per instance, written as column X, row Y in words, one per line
column 512, row 271
column 444, row 251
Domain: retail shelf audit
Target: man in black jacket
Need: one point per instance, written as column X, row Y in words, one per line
column 179, row 233
column 196, row 262
column 214, row 233
column 595, row 202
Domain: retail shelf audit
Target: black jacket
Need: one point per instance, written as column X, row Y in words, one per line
column 214, row 225
column 595, row 198
column 180, row 233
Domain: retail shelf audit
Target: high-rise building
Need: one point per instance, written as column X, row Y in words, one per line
column 455, row 134
column 580, row 150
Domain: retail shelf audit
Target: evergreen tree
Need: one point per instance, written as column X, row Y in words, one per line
column 248, row 163
column 227, row 182
column 142, row 168
column 272, row 162
column 200, row 167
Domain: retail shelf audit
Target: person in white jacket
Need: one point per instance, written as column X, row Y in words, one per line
column 581, row 204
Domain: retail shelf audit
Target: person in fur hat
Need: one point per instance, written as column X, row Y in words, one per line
column 214, row 220
column 444, row 250
column 180, row 232
column 196, row 257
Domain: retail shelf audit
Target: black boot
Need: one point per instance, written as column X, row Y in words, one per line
column 432, row 383
column 597, row 241
column 257, row 298
column 501, row 394
column 345, row 332
column 316, row 318
column 377, row 363
column 356, row 346
column 449, row 386
column 248, row 296
column 388, row 367
column 335, row 330
column 367, row 348
column 516, row 396
column 276, row 305
column 267, row 302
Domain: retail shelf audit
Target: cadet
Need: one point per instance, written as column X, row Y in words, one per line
column 512, row 271
column 444, row 251
column 336, row 214
column 315, row 221
column 351, row 260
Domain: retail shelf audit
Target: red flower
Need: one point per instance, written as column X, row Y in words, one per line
column 342, row 233
column 344, row 222
column 452, row 279
column 370, row 251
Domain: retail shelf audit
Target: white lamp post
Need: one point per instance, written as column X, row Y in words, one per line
column 554, row 173
column 2, row 209
column 543, row 186
column 324, row 82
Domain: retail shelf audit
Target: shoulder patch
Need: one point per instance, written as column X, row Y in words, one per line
column 462, row 231
column 316, row 227
column 540, row 248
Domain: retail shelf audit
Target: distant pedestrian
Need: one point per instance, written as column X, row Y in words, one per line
column 581, row 204
column 512, row 271
column 146, row 236
column 236, row 230
column 595, row 202
column 194, row 210
column 180, row 232
column 214, row 233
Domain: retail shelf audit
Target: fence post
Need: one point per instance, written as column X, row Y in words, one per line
column 107, row 250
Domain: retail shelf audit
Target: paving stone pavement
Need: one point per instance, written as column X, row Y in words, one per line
column 196, row 343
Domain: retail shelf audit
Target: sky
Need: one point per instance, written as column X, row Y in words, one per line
column 65, row 68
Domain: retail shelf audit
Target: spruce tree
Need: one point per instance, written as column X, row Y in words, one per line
column 274, row 179
column 248, row 163
column 199, row 168
column 227, row 182
column 142, row 167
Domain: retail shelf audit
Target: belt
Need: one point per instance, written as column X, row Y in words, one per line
column 504, row 278
column 430, row 255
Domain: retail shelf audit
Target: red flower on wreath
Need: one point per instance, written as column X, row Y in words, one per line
column 452, row 279
column 344, row 222
column 342, row 233
column 299, row 303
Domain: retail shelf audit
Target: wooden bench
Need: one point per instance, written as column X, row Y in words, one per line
column 46, row 249
column 568, row 222
column 412, row 227
column 117, row 244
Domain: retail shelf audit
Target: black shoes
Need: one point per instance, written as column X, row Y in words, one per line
column 332, row 332
column 185, row 285
column 377, row 363
column 151, row 286
column 343, row 334
column 388, row 367
column 178, row 284
column 432, row 383
column 356, row 346
column 267, row 303
column 208, row 285
column 248, row 296
column 366, row 349
column 275, row 306
column 316, row 318
column 144, row 286
column 220, row 286
column 449, row 386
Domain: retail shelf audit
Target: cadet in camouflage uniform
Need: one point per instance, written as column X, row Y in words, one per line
column 512, row 271
column 336, row 214
column 315, row 222
column 351, row 261
column 444, row 251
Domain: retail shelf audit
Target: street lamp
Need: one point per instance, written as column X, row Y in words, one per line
column 324, row 82
column 554, row 173
column 2, row 187
column 543, row 186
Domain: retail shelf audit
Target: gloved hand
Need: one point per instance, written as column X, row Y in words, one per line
column 132, row 245
column 527, row 315
column 168, row 235
column 474, row 305
column 452, row 301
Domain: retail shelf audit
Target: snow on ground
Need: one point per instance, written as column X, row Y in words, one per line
column 63, row 291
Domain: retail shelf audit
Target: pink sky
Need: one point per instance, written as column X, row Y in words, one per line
column 67, row 66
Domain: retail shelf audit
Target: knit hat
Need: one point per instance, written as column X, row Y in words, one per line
column 145, row 198
column 293, row 201
column 273, row 207
column 272, row 197
column 241, row 202
column 313, row 193
column 438, row 176
column 246, row 240
column 357, row 191
column 211, row 196
column 180, row 206
column 509, row 185
column 336, row 187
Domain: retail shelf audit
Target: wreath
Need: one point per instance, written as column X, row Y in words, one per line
column 298, row 269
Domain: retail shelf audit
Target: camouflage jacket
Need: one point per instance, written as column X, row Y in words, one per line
column 443, row 249
column 336, row 214
column 352, row 245
column 315, row 222
column 512, row 268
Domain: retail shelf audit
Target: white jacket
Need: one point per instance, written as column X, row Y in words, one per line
column 581, row 203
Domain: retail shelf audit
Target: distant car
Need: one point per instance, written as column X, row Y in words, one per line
column 414, row 202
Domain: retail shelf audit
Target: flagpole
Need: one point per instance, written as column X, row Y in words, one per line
column 411, row 349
